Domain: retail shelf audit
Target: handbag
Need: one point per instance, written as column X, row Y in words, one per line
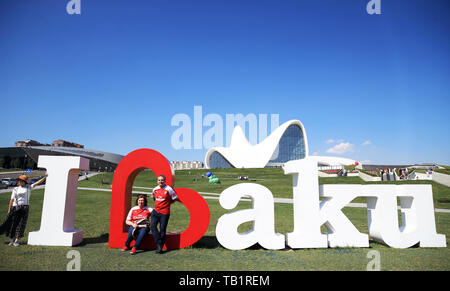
column 141, row 223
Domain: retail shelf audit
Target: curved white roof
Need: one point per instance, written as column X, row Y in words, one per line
column 241, row 154
column 333, row 161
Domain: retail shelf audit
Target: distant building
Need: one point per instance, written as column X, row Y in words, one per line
column 25, row 154
column 64, row 143
column 286, row 143
column 28, row 142
column 425, row 166
column 186, row 165
column 16, row 157
column 55, row 143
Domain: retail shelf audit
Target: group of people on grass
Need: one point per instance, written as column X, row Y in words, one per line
column 140, row 219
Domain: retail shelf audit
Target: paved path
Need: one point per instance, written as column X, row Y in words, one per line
column 209, row 195
column 16, row 174
column 80, row 178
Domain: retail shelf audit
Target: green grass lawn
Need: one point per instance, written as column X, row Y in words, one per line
column 207, row 254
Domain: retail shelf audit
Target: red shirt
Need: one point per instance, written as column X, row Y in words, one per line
column 163, row 198
column 136, row 213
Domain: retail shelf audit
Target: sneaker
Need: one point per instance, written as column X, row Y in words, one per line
column 159, row 250
column 125, row 248
column 16, row 244
column 133, row 251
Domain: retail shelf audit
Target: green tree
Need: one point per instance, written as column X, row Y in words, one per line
column 16, row 163
column 7, row 163
column 30, row 164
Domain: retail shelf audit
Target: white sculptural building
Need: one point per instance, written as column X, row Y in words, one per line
column 286, row 143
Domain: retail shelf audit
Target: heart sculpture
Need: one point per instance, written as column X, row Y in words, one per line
column 127, row 170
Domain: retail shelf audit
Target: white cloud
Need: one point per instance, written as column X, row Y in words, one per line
column 330, row 141
column 367, row 142
column 342, row 148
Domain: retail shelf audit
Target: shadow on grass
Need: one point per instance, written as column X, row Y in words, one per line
column 211, row 242
column 103, row 238
column 207, row 242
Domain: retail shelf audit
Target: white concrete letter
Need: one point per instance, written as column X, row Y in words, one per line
column 307, row 224
column 58, row 210
column 341, row 231
column 418, row 221
column 262, row 214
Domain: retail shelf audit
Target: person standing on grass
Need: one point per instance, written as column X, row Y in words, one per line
column 138, row 222
column 164, row 196
column 16, row 220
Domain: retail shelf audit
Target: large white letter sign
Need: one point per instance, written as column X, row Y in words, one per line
column 262, row 214
column 341, row 231
column 58, row 210
column 418, row 221
column 416, row 206
column 307, row 224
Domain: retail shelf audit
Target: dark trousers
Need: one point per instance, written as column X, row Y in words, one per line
column 139, row 235
column 163, row 220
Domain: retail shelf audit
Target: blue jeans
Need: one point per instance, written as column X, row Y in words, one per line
column 163, row 220
column 140, row 232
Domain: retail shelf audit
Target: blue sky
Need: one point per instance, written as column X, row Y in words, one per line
column 374, row 88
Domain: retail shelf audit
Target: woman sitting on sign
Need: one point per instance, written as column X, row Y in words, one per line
column 16, row 220
column 138, row 222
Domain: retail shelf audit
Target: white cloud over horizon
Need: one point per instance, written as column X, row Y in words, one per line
column 342, row 148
